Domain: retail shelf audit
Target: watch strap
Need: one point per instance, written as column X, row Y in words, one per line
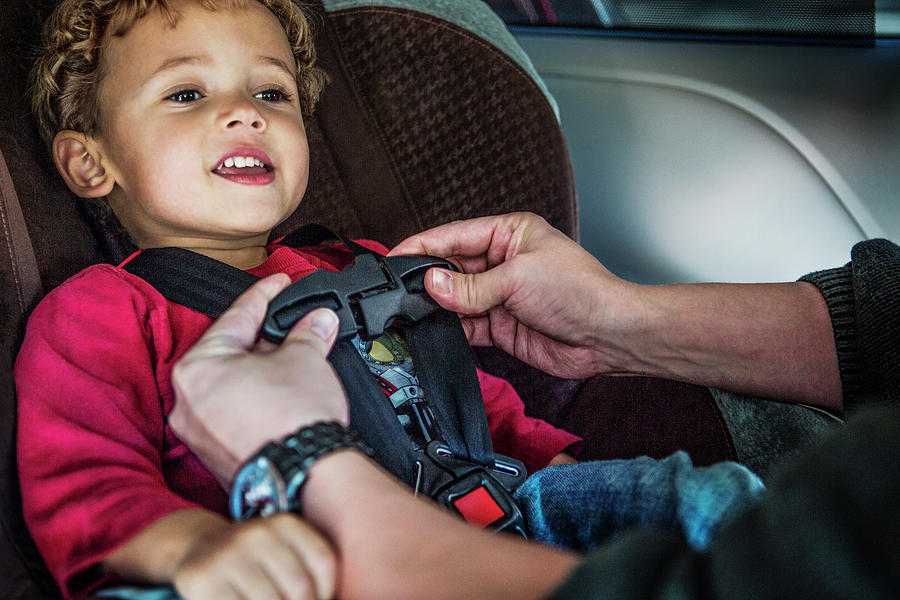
column 271, row 481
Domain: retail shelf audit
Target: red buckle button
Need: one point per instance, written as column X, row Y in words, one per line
column 479, row 507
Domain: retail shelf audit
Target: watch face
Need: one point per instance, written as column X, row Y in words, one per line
column 258, row 490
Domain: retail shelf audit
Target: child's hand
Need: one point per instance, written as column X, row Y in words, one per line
column 561, row 459
column 274, row 557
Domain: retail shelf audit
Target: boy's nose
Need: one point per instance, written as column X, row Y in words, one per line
column 243, row 114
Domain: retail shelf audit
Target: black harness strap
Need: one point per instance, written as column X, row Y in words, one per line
column 372, row 417
column 453, row 391
column 190, row 279
column 314, row 234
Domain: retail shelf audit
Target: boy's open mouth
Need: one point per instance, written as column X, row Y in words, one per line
column 245, row 169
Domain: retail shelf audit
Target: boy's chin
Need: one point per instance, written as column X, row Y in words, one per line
column 261, row 228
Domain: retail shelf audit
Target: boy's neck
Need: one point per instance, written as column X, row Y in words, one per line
column 243, row 258
column 241, row 252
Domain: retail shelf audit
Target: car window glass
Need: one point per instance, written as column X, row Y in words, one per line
column 822, row 19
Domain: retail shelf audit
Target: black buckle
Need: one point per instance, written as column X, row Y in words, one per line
column 481, row 495
column 507, row 516
column 368, row 295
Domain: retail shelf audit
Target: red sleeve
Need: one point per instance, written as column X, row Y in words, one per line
column 513, row 433
column 90, row 425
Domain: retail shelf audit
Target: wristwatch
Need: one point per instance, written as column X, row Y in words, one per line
column 270, row 482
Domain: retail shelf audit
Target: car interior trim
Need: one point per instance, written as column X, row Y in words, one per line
column 829, row 175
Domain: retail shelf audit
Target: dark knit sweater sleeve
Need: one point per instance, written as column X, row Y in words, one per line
column 863, row 299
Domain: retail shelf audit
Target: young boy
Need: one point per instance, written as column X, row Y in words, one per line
column 186, row 116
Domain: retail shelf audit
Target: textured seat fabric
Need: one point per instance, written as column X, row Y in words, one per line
column 429, row 115
column 56, row 242
column 426, row 120
column 19, row 282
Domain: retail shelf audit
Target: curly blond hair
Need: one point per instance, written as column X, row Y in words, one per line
column 67, row 75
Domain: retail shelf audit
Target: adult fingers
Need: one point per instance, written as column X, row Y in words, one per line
column 307, row 345
column 469, row 293
column 318, row 328
column 237, row 328
column 472, row 237
column 477, row 330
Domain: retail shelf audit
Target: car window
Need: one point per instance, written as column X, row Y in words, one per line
column 818, row 19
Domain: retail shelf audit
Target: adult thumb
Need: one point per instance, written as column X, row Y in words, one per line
column 319, row 327
column 465, row 293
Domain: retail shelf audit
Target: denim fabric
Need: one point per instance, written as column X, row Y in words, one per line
column 128, row 592
column 580, row 506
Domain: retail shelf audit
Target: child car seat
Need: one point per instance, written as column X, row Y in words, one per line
column 432, row 113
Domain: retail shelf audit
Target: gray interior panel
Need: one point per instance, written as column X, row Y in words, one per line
column 700, row 161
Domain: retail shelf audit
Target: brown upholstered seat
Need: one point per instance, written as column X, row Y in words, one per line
column 423, row 121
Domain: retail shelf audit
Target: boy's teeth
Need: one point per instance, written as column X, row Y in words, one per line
column 241, row 162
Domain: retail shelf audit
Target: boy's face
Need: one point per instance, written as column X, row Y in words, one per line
column 200, row 126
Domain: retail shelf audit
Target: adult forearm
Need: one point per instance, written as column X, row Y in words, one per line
column 394, row 545
column 526, row 288
column 768, row 340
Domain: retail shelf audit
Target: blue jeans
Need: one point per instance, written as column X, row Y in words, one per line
column 128, row 592
column 580, row 506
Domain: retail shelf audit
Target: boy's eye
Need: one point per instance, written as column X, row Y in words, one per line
column 185, row 96
column 273, row 95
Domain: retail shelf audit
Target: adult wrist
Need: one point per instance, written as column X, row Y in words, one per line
column 272, row 480
column 662, row 332
column 630, row 327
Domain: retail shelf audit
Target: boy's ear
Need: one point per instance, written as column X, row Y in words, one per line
column 78, row 160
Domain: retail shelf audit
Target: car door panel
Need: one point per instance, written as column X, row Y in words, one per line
column 702, row 160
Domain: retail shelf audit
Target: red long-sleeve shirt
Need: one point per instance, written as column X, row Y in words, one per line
column 98, row 461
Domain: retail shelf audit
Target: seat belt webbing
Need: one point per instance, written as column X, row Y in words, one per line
column 446, row 371
column 190, row 279
column 371, row 416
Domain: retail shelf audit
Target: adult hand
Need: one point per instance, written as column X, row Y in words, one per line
column 219, row 381
column 527, row 288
